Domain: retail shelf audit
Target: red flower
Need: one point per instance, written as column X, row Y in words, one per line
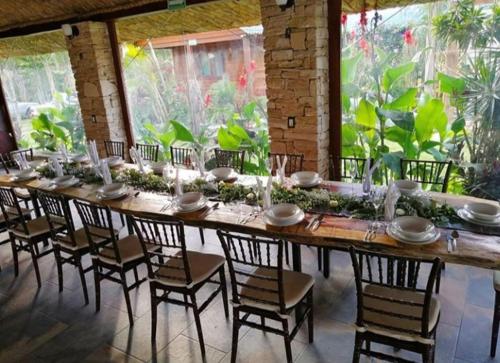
column 242, row 81
column 208, row 100
column 363, row 19
column 363, row 44
column 343, row 19
column 252, row 67
column 353, row 34
column 408, row 37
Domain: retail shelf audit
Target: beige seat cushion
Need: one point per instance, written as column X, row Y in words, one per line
column 496, row 280
column 391, row 323
column 130, row 250
column 36, row 227
column 81, row 239
column 295, row 285
column 22, row 193
column 202, row 266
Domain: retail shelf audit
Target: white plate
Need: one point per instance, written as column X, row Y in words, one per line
column 201, row 204
column 297, row 219
column 232, row 176
column 23, row 177
column 394, row 234
column 69, row 183
column 309, row 185
column 466, row 216
column 112, row 196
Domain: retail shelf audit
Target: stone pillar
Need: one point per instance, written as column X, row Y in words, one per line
column 297, row 79
column 95, row 78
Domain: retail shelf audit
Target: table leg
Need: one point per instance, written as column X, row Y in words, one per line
column 36, row 206
column 130, row 227
column 326, row 263
column 296, row 258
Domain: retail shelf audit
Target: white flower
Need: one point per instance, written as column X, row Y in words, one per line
column 334, row 204
column 250, row 196
column 400, row 212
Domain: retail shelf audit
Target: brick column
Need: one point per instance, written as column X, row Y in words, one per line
column 95, row 78
column 297, row 79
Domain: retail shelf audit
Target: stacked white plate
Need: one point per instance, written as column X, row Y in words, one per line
column 158, row 167
column 481, row 213
column 190, row 202
column 224, row 173
column 80, row 158
column 64, row 181
column 111, row 191
column 407, row 187
column 23, row 175
column 306, row 179
column 283, row 215
column 115, row 161
column 413, row 230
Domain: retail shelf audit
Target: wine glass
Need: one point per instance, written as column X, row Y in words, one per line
column 377, row 197
column 168, row 177
column 354, row 175
column 269, row 165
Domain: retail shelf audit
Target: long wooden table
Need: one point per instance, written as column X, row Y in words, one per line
column 336, row 232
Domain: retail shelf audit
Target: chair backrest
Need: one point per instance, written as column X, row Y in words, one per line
column 181, row 156
column 148, row 152
column 114, row 148
column 249, row 256
column 230, row 159
column 427, row 173
column 56, row 208
column 350, row 168
column 399, row 273
column 97, row 222
column 294, row 162
column 170, row 261
column 8, row 159
column 11, row 210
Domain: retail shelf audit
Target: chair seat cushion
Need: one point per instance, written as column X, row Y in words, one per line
column 22, row 193
column 385, row 313
column 202, row 266
column 496, row 280
column 295, row 285
column 81, row 239
column 36, row 227
column 130, row 250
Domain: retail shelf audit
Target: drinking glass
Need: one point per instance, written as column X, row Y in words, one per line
column 377, row 197
column 354, row 175
column 169, row 177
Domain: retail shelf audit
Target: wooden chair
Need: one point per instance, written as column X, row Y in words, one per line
column 262, row 288
column 180, row 156
column 350, row 168
column 427, row 173
column 230, row 159
column 116, row 257
column 114, row 148
column 395, row 307
column 25, row 233
column 496, row 314
column 148, row 152
column 174, row 269
column 294, row 162
column 8, row 163
column 69, row 245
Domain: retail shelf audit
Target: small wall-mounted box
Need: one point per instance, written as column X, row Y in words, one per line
column 291, row 122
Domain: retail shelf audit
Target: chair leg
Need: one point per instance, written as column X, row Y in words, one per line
column 358, row 342
column 198, row 324
column 154, row 314
column 97, row 284
column 202, row 236
column 287, row 258
column 236, row 330
column 35, row 265
column 288, row 342
column 57, row 254
column 222, row 277
column 326, row 262
column 14, row 254
column 438, row 279
column 427, row 355
column 310, row 318
column 78, row 260
column 496, row 323
column 136, row 274
column 320, row 258
column 123, row 277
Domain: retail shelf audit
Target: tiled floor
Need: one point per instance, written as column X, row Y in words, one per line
column 43, row 325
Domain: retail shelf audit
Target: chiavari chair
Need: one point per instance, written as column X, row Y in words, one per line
column 114, row 148
column 148, row 152
column 496, row 314
column 428, row 173
column 230, row 159
column 180, row 156
column 294, row 162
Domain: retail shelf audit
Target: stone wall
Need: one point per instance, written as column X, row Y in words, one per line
column 297, row 79
column 95, row 78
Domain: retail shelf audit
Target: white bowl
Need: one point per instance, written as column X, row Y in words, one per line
column 189, row 200
column 61, row 180
column 413, row 228
column 483, row 211
column 158, row 167
column 80, row 158
column 222, row 173
column 281, row 213
column 305, row 177
column 407, row 187
column 111, row 189
column 115, row 160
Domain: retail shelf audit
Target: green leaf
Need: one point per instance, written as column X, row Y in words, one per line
column 458, row 125
column 391, row 75
column 393, row 161
column 349, row 135
column 349, row 68
column 249, row 110
column 182, row 133
column 366, row 116
column 166, row 139
column 430, row 117
column 44, row 121
column 226, row 140
column 238, row 131
column 58, row 132
column 451, row 85
column 346, row 103
column 404, row 120
column 403, row 138
column 428, row 145
column 407, row 101
column 439, row 156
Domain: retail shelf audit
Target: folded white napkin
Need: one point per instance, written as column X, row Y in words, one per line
column 280, row 170
column 137, row 159
column 368, row 174
column 21, row 161
column 64, row 153
column 199, row 160
column 178, row 184
column 92, row 152
column 106, row 174
column 267, row 201
column 56, row 166
column 391, row 198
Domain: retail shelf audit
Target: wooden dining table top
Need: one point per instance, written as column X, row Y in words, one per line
column 473, row 249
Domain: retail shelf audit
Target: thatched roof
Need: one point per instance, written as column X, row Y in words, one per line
column 209, row 16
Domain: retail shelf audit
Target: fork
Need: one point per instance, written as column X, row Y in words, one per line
column 371, row 231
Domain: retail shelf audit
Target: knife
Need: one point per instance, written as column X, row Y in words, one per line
column 317, row 223
column 210, row 210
